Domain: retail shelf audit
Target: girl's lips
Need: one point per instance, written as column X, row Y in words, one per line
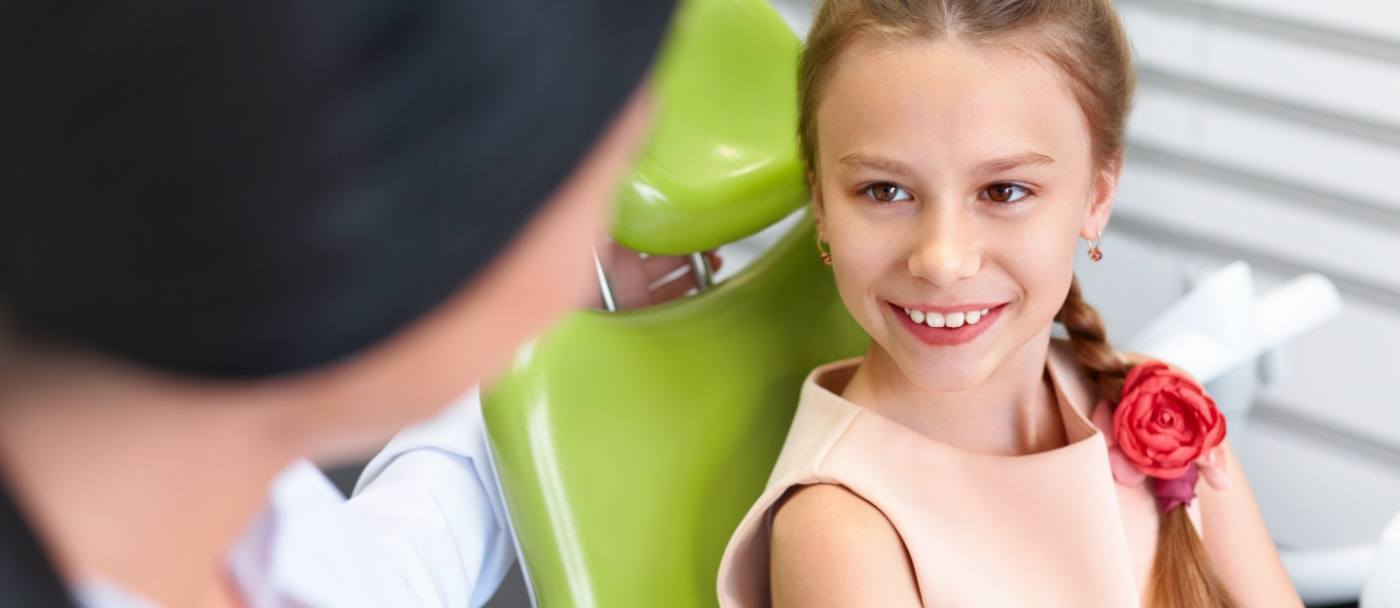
column 943, row 336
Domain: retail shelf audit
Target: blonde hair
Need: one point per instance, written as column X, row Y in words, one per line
column 1085, row 39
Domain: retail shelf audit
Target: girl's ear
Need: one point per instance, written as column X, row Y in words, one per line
column 1101, row 200
column 815, row 202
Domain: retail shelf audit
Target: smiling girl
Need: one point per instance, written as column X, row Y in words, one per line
column 957, row 151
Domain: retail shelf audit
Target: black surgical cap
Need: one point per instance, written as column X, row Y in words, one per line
column 250, row 188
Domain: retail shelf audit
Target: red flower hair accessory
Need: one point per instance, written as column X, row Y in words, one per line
column 1165, row 427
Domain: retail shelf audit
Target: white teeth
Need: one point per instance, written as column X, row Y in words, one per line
column 952, row 319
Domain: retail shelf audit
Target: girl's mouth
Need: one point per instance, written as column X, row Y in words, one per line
column 947, row 325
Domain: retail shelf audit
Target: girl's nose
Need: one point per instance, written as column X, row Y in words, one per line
column 945, row 248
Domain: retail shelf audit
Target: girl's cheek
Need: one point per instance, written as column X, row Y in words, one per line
column 1042, row 264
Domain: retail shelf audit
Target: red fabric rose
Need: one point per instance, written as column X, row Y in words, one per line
column 1165, row 421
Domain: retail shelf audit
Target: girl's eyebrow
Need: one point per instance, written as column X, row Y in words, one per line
column 1024, row 159
column 889, row 165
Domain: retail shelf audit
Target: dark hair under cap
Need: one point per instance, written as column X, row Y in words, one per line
column 257, row 187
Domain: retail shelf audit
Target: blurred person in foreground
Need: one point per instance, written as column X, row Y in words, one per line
column 234, row 236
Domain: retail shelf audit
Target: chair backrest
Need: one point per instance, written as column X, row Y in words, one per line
column 630, row 444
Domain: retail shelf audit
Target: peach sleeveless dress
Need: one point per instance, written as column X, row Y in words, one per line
column 1046, row 529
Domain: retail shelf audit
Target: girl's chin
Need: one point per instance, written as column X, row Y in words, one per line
column 946, row 373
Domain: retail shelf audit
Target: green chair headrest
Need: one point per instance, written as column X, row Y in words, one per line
column 722, row 162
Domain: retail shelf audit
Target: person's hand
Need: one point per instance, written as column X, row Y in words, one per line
column 637, row 280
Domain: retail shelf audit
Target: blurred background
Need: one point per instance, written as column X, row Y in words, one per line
column 1266, row 131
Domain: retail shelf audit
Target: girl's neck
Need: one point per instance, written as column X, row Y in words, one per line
column 1013, row 412
column 136, row 481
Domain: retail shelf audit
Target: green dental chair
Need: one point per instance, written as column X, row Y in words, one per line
column 630, row 444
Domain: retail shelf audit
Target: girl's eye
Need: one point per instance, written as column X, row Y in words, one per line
column 886, row 192
column 1005, row 193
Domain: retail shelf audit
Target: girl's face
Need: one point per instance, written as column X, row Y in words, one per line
column 953, row 181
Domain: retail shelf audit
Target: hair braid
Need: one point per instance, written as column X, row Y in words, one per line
column 1181, row 570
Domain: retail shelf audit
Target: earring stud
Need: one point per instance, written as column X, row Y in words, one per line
column 1096, row 252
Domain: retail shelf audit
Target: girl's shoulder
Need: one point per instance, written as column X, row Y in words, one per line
column 831, row 547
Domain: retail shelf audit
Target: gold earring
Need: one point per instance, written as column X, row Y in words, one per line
column 1095, row 252
column 825, row 254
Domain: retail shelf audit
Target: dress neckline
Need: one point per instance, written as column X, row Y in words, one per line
column 1069, row 394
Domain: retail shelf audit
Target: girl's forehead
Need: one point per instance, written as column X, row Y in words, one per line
column 917, row 97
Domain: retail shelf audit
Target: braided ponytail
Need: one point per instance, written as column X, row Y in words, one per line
column 1181, row 570
column 1089, row 341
